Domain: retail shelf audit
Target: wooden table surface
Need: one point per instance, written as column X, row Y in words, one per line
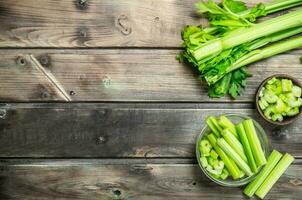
column 95, row 106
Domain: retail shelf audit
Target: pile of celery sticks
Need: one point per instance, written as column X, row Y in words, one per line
column 234, row 39
column 236, row 151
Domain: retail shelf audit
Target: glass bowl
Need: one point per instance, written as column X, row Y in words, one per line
column 235, row 118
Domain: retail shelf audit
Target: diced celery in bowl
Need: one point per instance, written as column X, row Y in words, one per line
column 231, row 149
column 279, row 99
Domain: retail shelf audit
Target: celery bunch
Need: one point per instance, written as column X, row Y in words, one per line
column 233, row 40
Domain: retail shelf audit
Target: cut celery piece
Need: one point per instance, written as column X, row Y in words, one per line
column 272, row 81
column 233, row 155
column 274, row 175
column 268, row 112
column 215, row 176
column 246, row 147
column 224, row 175
column 272, row 161
column 214, row 126
column 211, row 160
column 219, row 165
column 205, row 147
column 297, row 91
column 293, row 112
column 280, row 106
column 213, row 171
column 270, row 96
column 296, row 102
column 277, row 117
column 213, row 154
column 287, row 85
column 225, row 123
column 263, row 103
column 229, row 163
column 204, row 161
column 254, row 142
column 234, row 143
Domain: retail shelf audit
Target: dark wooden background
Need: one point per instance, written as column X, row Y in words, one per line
column 95, row 106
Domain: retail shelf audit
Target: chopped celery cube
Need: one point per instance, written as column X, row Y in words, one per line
column 204, row 161
column 263, row 104
column 261, row 93
column 297, row 91
column 277, row 117
column 283, row 97
column 213, row 171
column 297, row 102
column 215, row 176
column 270, row 96
column 293, row 112
column 280, row 106
column 224, row 175
column 219, row 165
column 268, row 112
column 213, row 154
column 287, row 85
column 272, row 81
column 205, row 147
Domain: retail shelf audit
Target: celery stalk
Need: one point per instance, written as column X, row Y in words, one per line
column 274, row 175
column 213, row 124
column 232, row 154
column 224, row 122
column 272, row 161
column 254, row 142
column 246, row 147
column 234, row 143
column 243, row 35
column 229, row 163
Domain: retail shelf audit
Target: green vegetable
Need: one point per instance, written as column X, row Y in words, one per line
column 213, row 154
column 224, row 175
column 274, row 175
column 254, row 142
column 297, row 92
column 246, row 147
column 233, row 155
column 225, row 123
column 234, row 143
column 217, row 51
column 229, row 163
column 286, row 85
column 213, row 124
column 204, row 161
column 205, row 147
column 273, row 159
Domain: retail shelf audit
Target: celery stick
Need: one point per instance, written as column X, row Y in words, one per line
column 224, row 122
column 213, row 124
column 272, row 161
column 246, row 147
column 274, row 175
column 232, row 154
column 229, row 163
column 234, row 143
column 254, row 142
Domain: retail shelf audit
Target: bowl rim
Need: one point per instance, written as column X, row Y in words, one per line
column 288, row 120
column 240, row 182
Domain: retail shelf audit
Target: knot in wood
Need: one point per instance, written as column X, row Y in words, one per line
column 72, row 93
column 102, row 140
column 280, row 133
column 81, row 4
column 106, row 81
column 123, row 24
column 21, row 61
column 45, row 60
column 2, row 113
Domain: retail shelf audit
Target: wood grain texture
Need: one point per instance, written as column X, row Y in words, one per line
column 76, row 130
column 94, row 23
column 120, row 75
column 45, row 181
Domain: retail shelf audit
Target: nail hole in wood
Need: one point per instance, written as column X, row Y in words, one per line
column 194, row 183
column 21, row 61
column 156, row 18
column 81, row 4
column 102, row 140
column 44, row 60
column 44, row 94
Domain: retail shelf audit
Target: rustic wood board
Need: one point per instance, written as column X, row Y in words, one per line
column 118, row 75
column 93, row 180
column 70, row 130
column 106, row 23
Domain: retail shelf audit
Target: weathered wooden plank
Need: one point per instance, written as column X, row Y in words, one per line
column 118, row 75
column 93, row 23
column 45, row 181
column 70, row 130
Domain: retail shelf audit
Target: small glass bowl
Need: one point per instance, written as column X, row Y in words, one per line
column 229, row 182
